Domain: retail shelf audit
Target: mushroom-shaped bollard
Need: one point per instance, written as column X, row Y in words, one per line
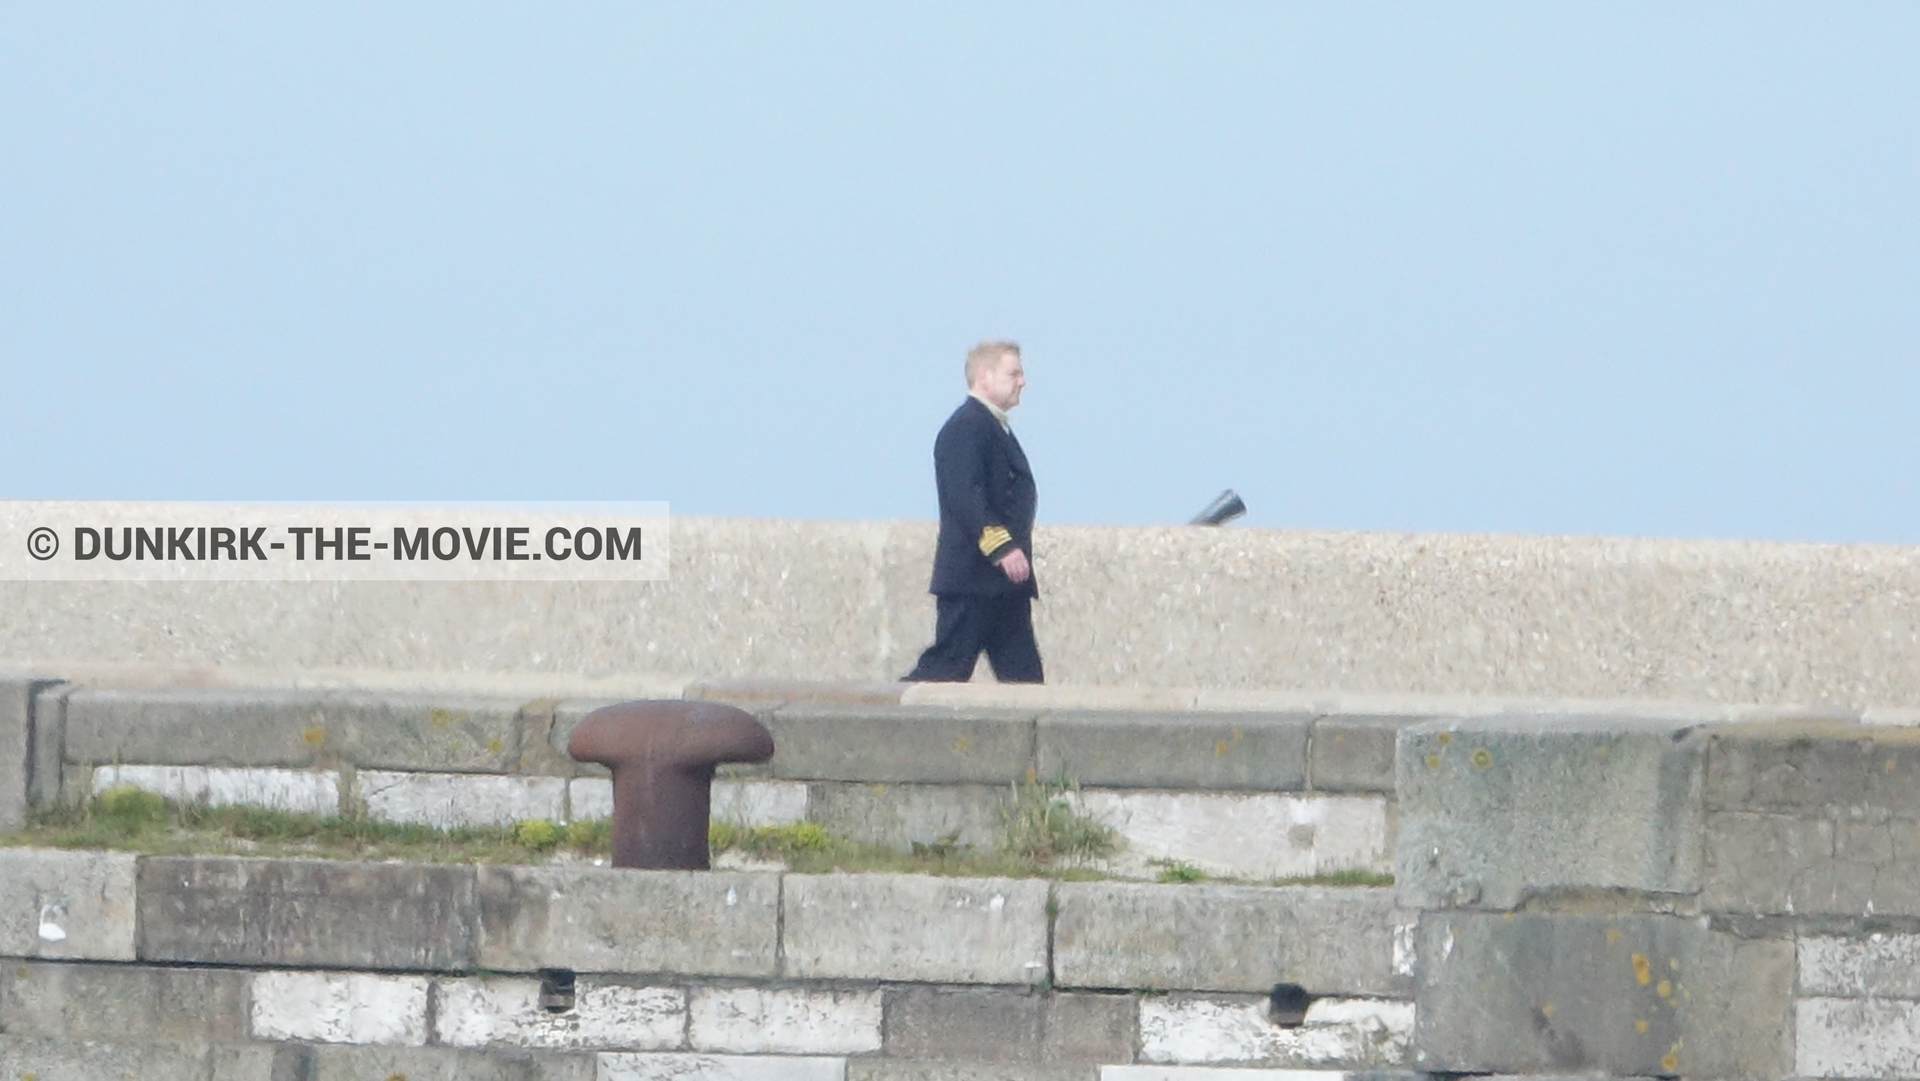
column 662, row 755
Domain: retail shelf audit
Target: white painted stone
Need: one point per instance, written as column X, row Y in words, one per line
column 743, row 802
column 340, row 1007
column 790, row 1021
column 71, row 905
column 1346, row 1032
column 615, row 1066
column 1245, row 835
column 1213, row 1073
column 296, row 790
column 1878, row 966
column 1856, row 1038
column 486, row 1012
column 449, row 800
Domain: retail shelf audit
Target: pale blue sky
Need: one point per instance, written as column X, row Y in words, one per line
column 1616, row 268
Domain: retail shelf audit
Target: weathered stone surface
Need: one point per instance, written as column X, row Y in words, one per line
column 495, row 1011
column 451, row 800
column 43, row 1059
column 61, row 904
column 598, row 919
column 1354, row 753
column 16, row 747
column 898, row 744
column 915, row 927
column 1001, row 1025
column 1261, row 752
column 345, row 1062
column 229, row 727
column 900, row 816
column 299, row 791
column 1224, row 938
column 45, row 769
column 744, row 802
column 567, row 716
column 1809, row 768
column 83, row 1001
column 672, row 1067
column 1771, row 864
column 296, row 913
column 880, row 1069
column 1494, row 810
column 1244, row 835
column 340, row 1007
column 1238, row 1073
column 1877, row 966
column 1337, row 1032
column 1857, row 1038
column 1631, row 994
column 794, row 1021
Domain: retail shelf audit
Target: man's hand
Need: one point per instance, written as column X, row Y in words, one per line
column 1015, row 566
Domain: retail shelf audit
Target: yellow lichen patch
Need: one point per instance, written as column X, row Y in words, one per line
column 494, row 746
column 1613, row 935
column 444, row 718
column 1443, row 738
column 963, row 744
column 1640, row 1025
column 1887, row 766
column 1547, row 1010
column 1220, row 748
column 20, row 972
column 1642, row 969
column 1433, row 761
column 1663, row 989
column 1670, row 1061
column 314, row 735
column 1481, row 757
column 1673, row 964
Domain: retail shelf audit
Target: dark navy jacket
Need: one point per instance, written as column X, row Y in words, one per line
column 987, row 499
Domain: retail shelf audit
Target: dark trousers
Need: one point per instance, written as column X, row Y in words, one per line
column 965, row 624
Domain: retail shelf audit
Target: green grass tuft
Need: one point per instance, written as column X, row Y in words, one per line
column 1041, row 825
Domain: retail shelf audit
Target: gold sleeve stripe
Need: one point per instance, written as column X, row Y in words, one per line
column 993, row 537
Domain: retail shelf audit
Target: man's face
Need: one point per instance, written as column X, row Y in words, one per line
column 1000, row 382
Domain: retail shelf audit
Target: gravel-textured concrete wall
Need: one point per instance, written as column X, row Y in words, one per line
column 1168, row 607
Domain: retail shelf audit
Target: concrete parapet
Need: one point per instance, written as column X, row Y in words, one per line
column 1617, row 995
column 606, row 920
column 925, row 744
column 1224, row 938
column 1265, row 752
column 1494, row 810
column 306, row 913
column 915, row 927
column 67, row 904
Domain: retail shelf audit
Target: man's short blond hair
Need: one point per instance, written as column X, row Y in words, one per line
column 986, row 353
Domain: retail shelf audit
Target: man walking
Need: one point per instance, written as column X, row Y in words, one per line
column 983, row 582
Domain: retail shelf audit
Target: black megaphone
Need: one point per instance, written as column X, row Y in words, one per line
column 1225, row 508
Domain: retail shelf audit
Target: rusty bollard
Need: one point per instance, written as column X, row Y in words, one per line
column 662, row 755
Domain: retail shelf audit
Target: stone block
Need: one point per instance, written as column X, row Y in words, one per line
column 915, row 927
column 1766, row 863
column 881, row 1069
column 229, row 727
column 602, row 919
column 616, row 1066
column 1224, row 938
column 16, row 747
column 927, row 744
column 1598, row 994
column 899, row 816
column 567, row 716
column 1857, row 1038
column 1811, row 768
column 315, row 792
column 979, row 1025
column 1370, row 1033
column 1260, row 752
column 1494, row 810
column 340, row 1007
column 453, row 800
column 41, row 1059
column 45, row 770
column 1873, row 966
column 1238, row 1073
column 347, row 1062
column 744, row 801
column 109, row 1002
column 1354, row 753
column 792, row 1020
column 497, row 1011
column 306, row 913
column 1245, row 835
column 61, row 904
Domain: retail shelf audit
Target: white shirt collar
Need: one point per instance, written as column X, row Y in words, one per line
column 999, row 414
